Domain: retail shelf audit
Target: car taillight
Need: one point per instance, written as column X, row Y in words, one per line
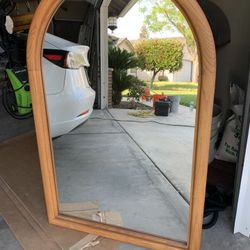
column 64, row 59
column 55, row 56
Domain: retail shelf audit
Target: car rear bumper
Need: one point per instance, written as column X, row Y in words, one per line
column 67, row 112
column 65, row 127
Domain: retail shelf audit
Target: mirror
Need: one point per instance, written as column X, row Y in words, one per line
column 83, row 193
column 130, row 165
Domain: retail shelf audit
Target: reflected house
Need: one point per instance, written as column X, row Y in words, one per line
column 188, row 73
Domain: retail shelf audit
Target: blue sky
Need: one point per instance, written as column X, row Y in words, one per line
column 130, row 25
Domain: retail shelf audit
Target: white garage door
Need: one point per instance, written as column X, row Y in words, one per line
column 185, row 74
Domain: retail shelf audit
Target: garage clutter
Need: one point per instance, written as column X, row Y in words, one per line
column 15, row 89
column 229, row 146
column 223, row 156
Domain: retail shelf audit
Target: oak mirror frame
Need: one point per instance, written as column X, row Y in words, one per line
column 207, row 63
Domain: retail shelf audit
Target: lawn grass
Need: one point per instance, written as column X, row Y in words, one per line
column 187, row 99
column 173, row 85
column 186, row 90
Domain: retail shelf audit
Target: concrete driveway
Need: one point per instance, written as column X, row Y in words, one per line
column 169, row 147
column 138, row 171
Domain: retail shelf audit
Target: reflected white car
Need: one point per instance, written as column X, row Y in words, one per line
column 70, row 98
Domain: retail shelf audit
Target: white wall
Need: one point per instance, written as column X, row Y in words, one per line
column 146, row 76
column 104, row 52
column 233, row 59
column 242, row 222
column 185, row 74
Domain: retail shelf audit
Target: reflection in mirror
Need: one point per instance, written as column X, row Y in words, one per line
column 129, row 165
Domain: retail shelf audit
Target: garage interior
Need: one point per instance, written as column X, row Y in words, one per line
column 20, row 182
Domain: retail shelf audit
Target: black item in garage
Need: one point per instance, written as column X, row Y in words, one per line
column 218, row 21
column 162, row 108
column 216, row 201
column 7, row 6
column 219, row 191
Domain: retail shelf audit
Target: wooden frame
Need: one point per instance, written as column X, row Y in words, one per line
column 207, row 62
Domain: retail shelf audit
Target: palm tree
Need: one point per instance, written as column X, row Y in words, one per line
column 120, row 61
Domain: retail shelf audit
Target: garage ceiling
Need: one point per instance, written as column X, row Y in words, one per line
column 117, row 6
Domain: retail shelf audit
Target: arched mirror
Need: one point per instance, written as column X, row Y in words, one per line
column 134, row 175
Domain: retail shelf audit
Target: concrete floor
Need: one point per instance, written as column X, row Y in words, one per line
column 219, row 237
column 7, row 239
column 100, row 163
column 170, row 148
column 130, row 247
column 11, row 127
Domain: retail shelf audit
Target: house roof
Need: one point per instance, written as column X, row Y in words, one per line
column 121, row 42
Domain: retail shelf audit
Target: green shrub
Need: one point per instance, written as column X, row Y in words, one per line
column 159, row 54
column 121, row 81
column 163, row 78
column 136, row 89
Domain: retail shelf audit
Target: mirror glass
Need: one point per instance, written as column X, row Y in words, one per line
column 122, row 129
